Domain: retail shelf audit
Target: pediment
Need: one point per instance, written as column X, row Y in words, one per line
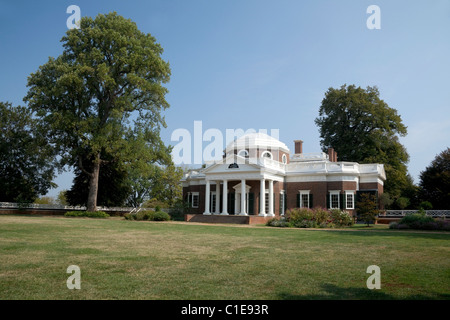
column 233, row 163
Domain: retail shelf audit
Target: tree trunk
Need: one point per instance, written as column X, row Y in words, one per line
column 93, row 186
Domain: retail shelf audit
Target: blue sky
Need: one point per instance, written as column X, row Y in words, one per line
column 265, row 64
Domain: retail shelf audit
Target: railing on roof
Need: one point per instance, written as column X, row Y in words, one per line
column 267, row 162
column 313, row 156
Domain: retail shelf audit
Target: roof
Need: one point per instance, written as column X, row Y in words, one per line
column 257, row 140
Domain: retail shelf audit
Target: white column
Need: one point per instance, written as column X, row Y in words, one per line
column 225, row 198
column 217, row 197
column 270, row 213
column 207, row 197
column 262, row 197
column 243, row 197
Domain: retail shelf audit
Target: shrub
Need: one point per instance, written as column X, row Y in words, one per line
column 327, row 225
column 89, row 214
column 129, row 216
column 179, row 209
column 321, row 216
column 299, row 214
column 141, row 215
column 282, row 223
column 305, row 224
column 399, row 226
column 416, row 219
column 310, row 218
column 393, row 225
column 366, row 207
column 341, row 218
column 160, row 216
column 421, row 222
column 148, row 215
column 314, row 218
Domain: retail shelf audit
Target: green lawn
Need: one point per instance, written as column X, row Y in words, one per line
column 173, row 260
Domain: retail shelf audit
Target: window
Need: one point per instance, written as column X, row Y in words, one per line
column 334, row 199
column 213, row 202
column 195, row 199
column 282, row 202
column 349, row 200
column 284, row 159
column 266, row 204
column 266, row 154
column 304, row 199
column 243, row 153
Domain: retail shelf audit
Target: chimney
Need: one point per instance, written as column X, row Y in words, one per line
column 331, row 155
column 298, row 146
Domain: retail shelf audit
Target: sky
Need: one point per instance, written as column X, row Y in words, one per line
column 264, row 65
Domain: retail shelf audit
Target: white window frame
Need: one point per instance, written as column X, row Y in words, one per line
column 283, row 208
column 334, row 193
column 284, row 159
column 263, row 155
column 243, row 153
column 195, row 194
column 302, row 193
column 352, row 193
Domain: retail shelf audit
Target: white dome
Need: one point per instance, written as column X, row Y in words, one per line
column 257, row 140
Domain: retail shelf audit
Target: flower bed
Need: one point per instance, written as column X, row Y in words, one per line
column 313, row 218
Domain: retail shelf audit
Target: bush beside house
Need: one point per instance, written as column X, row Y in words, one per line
column 148, row 215
column 313, row 218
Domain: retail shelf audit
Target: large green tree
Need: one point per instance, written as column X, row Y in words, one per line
column 26, row 160
column 113, row 187
column 157, row 182
column 362, row 128
column 102, row 96
column 435, row 181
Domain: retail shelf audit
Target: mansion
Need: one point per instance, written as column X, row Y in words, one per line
column 259, row 176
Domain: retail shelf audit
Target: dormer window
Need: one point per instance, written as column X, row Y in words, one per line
column 266, row 154
column 243, row 153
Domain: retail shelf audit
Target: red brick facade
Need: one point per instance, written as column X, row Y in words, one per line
column 319, row 191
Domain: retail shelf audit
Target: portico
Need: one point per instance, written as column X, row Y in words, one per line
column 238, row 196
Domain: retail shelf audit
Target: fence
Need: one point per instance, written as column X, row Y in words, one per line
column 402, row 213
column 13, row 205
column 59, row 207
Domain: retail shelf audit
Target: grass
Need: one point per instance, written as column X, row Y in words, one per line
column 173, row 260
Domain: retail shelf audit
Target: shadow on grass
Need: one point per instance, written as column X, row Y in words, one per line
column 333, row 292
column 394, row 233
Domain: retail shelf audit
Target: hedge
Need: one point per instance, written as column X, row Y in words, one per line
column 89, row 214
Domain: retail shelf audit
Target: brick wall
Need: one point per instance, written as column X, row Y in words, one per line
column 319, row 190
column 371, row 186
